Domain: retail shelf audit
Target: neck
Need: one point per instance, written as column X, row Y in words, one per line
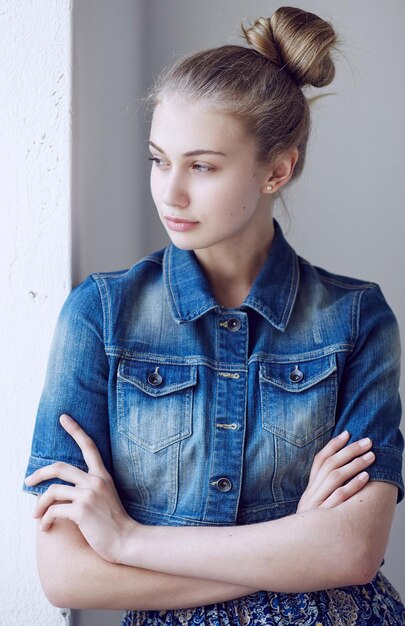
column 232, row 268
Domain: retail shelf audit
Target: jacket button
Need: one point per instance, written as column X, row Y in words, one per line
column 296, row 375
column 224, row 484
column 155, row 378
column 233, row 325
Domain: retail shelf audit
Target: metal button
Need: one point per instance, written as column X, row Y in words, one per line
column 296, row 375
column 155, row 378
column 224, row 484
column 233, row 324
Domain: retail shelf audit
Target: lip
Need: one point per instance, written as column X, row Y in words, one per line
column 178, row 224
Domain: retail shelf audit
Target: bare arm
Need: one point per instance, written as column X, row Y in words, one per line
column 73, row 575
column 85, row 578
column 308, row 551
column 333, row 556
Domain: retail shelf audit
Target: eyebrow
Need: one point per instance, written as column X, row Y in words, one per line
column 190, row 153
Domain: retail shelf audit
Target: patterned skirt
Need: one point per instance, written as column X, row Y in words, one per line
column 374, row 604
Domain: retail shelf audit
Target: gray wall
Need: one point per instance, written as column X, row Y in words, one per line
column 346, row 211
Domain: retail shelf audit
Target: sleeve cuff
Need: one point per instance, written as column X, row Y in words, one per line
column 387, row 467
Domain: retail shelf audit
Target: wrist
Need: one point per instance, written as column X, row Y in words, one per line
column 126, row 552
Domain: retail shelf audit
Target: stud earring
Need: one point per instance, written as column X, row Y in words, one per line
column 269, row 187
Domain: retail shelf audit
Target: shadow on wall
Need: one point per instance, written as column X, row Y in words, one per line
column 96, row 618
column 112, row 211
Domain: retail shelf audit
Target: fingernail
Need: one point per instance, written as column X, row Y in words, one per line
column 65, row 419
column 363, row 477
column 365, row 442
column 343, row 434
column 367, row 456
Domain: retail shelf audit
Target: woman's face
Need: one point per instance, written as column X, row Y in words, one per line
column 205, row 181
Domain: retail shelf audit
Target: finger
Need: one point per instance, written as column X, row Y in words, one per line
column 338, row 477
column 333, row 445
column 63, row 471
column 89, row 449
column 346, row 491
column 55, row 493
column 56, row 511
column 343, row 457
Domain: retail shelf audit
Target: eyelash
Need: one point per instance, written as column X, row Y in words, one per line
column 155, row 159
column 199, row 166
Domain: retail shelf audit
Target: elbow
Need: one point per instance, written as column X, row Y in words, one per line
column 363, row 574
column 59, row 592
column 364, row 532
column 53, row 593
column 51, row 579
column 62, row 558
column 365, row 570
column 57, row 599
column 361, row 565
column 63, row 598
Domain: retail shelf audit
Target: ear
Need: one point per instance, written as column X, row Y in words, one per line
column 280, row 171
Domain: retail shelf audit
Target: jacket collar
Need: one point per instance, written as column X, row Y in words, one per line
column 272, row 295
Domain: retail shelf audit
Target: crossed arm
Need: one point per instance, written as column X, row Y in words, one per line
column 337, row 537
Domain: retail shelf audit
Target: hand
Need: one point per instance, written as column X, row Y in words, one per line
column 92, row 503
column 332, row 467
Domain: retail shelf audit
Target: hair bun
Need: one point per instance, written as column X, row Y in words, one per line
column 297, row 40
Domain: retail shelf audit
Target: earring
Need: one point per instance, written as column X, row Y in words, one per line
column 269, row 187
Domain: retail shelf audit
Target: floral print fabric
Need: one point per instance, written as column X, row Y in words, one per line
column 374, row 604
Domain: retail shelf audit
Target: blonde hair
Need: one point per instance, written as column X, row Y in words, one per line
column 261, row 85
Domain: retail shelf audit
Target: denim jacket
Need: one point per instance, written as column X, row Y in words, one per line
column 208, row 415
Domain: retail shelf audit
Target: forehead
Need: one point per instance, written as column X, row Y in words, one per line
column 184, row 126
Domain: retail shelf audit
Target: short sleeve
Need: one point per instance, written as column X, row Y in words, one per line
column 368, row 401
column 76, row 383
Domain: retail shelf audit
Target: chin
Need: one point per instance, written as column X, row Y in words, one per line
column 191, row 241
column 183, row 246
column 180, row 242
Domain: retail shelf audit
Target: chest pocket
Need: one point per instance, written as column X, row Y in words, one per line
column 298, row 399
column 155, row 402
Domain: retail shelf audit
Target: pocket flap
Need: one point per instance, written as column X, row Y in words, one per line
column 300, row 375
column 172, row 377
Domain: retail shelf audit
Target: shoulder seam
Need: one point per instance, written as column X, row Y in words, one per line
column 340, row 283
column 120, row 273
column 106, row 314
column 359, row 302
column 333, row 280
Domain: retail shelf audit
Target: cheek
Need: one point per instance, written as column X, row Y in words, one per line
column 241, row 200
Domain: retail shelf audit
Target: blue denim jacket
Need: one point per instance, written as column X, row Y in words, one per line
column 212, row 416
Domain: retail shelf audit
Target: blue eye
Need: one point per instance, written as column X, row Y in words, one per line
column 203, row 168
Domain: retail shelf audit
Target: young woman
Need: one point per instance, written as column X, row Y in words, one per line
column 225, row 393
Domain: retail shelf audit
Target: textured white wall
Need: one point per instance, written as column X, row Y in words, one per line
column 35, row 70
column 346, row 211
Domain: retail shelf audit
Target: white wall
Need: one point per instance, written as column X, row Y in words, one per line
column 346, row 210
column 35, row 70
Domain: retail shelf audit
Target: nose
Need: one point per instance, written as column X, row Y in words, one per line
column 175, row 193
